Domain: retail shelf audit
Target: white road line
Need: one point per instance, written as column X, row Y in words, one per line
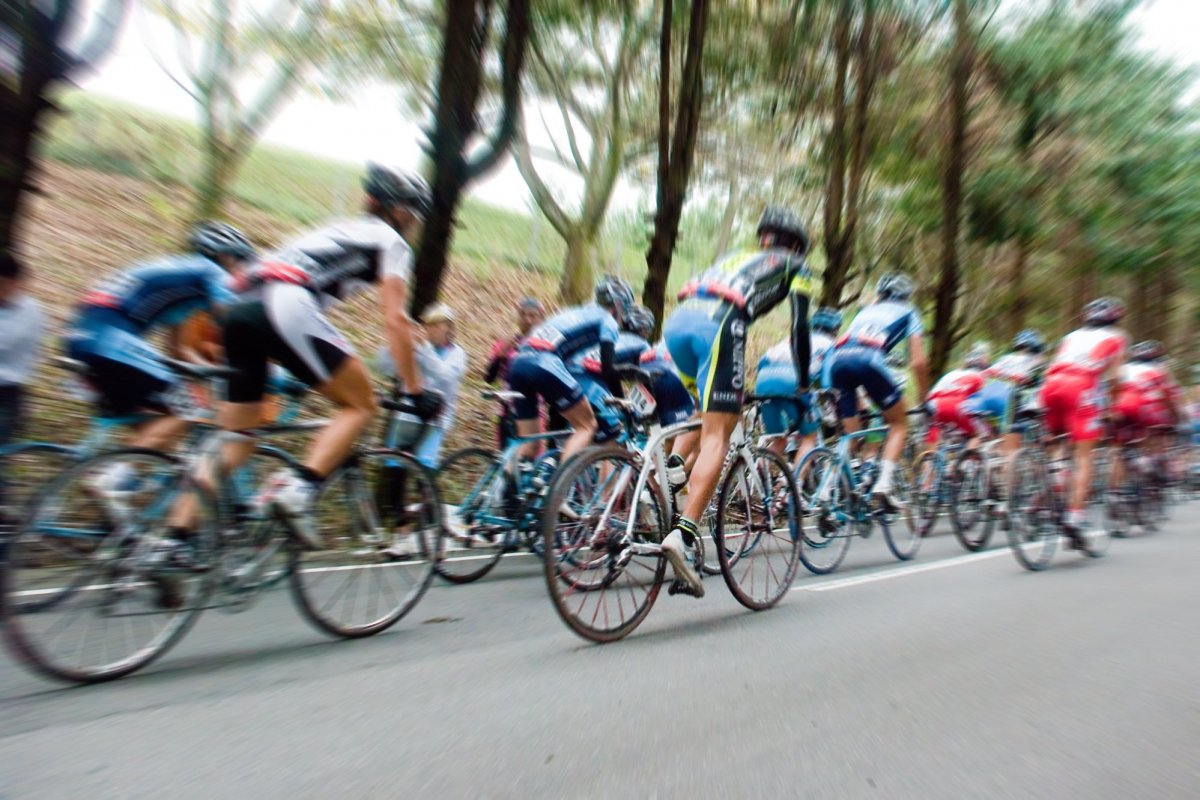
column 913, row 569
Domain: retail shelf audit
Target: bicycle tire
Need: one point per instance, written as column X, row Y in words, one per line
column 752, row 550
column 21, row 483
column 1031, row 512
column 972, row 493
column 354, row 552
column 927, row 490
column 834, row 520
column 896, row 523
column 584, row 574
column 243, row 485
column 117, row 592
column 475, row 561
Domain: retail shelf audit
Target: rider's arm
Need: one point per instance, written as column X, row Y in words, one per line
column 401, row 333
column 608, row 369
column 801, row 340
column 919, row 363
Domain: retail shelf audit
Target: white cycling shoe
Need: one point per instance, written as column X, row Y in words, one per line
column 677, row 552
column 293, row 498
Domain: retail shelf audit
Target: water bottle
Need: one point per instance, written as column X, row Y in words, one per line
column 676, row 474
column 545, row 469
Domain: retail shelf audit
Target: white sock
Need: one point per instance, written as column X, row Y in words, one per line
column 886, row 470
column 1076, row 518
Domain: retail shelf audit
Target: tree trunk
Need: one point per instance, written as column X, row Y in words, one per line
column 19, row 128
column 1018, row 303
column 729, row 216
column 672, row 194
column 577, row 277
column 1139, row 307
column 216, row 181
column 952, row 195
column 836, row 263
column 1162, row 287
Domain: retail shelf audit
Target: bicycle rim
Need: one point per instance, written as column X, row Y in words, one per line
column 900, row 528
column 968, row 506
column 926, row 492
column 474, row 494
column 1033, row 529
column 825, row 533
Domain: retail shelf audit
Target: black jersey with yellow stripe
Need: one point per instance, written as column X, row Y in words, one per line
column 754, row 281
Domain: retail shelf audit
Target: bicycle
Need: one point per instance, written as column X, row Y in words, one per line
column 1140, row 499
column 836, row 495
column 955, row 479
column 1038, row 501
column 80, row 561
column 610, row 507
column 492, row 503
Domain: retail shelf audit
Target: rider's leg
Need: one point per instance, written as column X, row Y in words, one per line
column 583, row 428
column 896, row 419
column 1081, row 483
column 159, row 433
column 715, row 430
column 349, row 388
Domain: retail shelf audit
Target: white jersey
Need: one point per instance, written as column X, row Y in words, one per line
column 781, row 353
column 1015, row 368
column 1090, row 350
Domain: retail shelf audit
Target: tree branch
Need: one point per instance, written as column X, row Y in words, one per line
column 516, row 37
column 542, row 195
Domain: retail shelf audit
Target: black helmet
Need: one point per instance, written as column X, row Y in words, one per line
column 895, row 286
column 1030, row 340
column 786, row 226
column 827, row 319
column 394, row 188
column 212, row 239
column 1149, row 350
column 616, row 293
column 640, row 321
column 1104, row 311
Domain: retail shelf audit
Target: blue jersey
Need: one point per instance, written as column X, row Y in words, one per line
column 573, row 330
column 628, row 351
column 883, row 326
column 777, row 362
column 160, row 293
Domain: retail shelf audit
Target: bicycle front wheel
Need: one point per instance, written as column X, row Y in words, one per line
column 478, row 503
column 601, row 581
column 86, row 595
column 1033, row 528
column 828, row 528
column 927, row 492
column 375, row 563
column 969, row 505
column 25, row 469
column 900, row 528
column 758, row 529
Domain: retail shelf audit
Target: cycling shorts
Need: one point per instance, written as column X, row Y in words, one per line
column 283, row 324
column 781, row 416
column 608, row 421
column 707, row 342
column 1134, row 415
column 853, row 368
column 956, row 412
column 1073, row 405
column 127, row 373
column 536, row 373
column 674, row 401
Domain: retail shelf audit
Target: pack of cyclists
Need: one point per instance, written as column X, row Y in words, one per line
column 270, row 309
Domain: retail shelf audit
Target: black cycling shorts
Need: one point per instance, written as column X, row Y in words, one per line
column 285, row 325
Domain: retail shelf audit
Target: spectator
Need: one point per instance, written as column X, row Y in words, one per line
column 530, row 312
column 20, row 331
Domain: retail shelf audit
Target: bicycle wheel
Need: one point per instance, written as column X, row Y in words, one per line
column 969, row 503
column 373, row 567
column 759, row 529
column 257, row 527
column 825, row 538
column 708, row 528
column 1033, row 528
column 602, row 583
column 25, row 469
column 927, row 491
column 85, row 596
column 477, row 505
column 900, row 528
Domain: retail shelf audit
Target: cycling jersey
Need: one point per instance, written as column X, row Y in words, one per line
column 883, row 326
column 338, row 260
column 1071, row 395
column 628, row 351
column 157, row 293
column 1147, row 396
column 777, row 376
column 780, row 356
column 859, row 360
column 1017, row 369
column 573, row 330
column 753, row 281
column 1089, row 352
column 957, row 384
column 950, row 399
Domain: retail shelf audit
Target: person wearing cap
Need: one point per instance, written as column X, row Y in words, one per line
column 530, row 313
column 21, row 323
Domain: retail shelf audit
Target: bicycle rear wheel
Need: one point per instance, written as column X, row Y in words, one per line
column 25, row 469
column 1033, row 528
column 759, row 529
column 474, row 492
column 969, row 503
column 85, row 595
column 825, row 538
column 927, row 492
column 601, row 585
column 372, row 569
column 900, row 528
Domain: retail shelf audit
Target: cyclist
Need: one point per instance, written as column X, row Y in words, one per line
column 113, row 321
column 539, row 368
column 949, row 399
column 859, row 361
column 1009, row 385
column 586, row 368
column 1147, row 397
column 1085, row 365
column 777, row 376
column 280, row 319
column 706, row 336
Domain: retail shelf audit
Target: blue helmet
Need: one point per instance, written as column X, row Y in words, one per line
column 1029, row 340
column 827, row 319
column 614, row 293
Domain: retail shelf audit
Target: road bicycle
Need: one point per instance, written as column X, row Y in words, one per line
column 956, row 480
column 86, row 596
column 1139, row 499
column 610, row 507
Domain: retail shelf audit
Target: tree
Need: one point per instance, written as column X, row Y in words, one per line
column 676, row 147
column 36, row 55
column 466, row 32
column 219, row 50
column 578, row 59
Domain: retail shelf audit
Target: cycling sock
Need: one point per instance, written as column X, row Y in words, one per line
column 688, row 528
column 1076, row 518
column 179, row 533
column 312, row 476
column 885, row 476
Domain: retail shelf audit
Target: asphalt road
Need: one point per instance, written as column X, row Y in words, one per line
column 952, row 676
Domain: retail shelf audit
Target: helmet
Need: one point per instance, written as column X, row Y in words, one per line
column 640, row 320
column 1030, row 340
column 1105, row 311
column 1149, row 350
column 616, row 293
column 827, row 319
column 212, row 239
column 895, row 286
column 977, row 357
column 786, row 226
column 394, row 188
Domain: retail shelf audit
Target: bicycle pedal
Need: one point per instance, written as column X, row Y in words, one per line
column 681, row 587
